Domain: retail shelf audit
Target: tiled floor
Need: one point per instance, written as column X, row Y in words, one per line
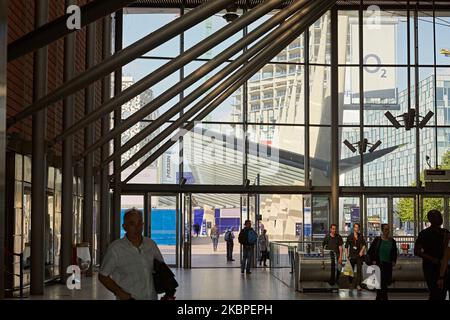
column 220, row 284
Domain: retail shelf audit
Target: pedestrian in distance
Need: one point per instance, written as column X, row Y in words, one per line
column 263, row 242
column 229, row 239
column 247, row 238
column 215, row 237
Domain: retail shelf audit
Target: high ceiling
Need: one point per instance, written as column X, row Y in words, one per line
column 252, row 3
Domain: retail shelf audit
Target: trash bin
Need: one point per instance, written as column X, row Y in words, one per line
column 83, row 256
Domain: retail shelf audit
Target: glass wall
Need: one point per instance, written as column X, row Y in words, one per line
column 265, row 117
column 21, row 221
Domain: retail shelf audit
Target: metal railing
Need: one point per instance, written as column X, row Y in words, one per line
column 284, row 255
column 20, row 275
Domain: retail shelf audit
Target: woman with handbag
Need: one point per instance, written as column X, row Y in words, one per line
column 383, row 253
column 356, row 247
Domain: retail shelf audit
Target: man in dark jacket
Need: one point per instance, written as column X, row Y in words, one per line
column 430, row 247
column 229, row 239
column 383, row 253
column 247, row 245
column 333, row 242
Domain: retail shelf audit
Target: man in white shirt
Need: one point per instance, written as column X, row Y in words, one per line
column 127, row 268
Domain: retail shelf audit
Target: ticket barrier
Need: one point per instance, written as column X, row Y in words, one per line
column 314, row 270
column 407, row 274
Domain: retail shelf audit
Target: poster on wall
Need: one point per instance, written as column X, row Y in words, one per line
column 298, row 229
column 307, row 216
column 354, row 215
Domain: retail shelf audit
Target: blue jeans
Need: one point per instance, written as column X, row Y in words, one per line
column 246, row 258
column 215, row 242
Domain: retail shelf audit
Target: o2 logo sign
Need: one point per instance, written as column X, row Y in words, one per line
column 373, row 281
column 74, row 281
column 74, row 20
column 374, row 59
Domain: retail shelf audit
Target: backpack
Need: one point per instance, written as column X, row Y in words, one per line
column 252, row 237
column 241, row 238
column 228, row 236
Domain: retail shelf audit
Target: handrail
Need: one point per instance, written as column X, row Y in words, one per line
column 21, row 270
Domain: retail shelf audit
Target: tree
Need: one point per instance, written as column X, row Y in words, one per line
column 405, row 207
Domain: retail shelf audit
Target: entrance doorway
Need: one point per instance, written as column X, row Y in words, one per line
column 211, row 215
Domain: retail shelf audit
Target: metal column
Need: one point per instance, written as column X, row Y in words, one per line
column 306, row 163
column 104, row 179
column 67, row 166
column 39, row 169
column 115, row 212
column 3, row 43
column 88, row 181
column 334, row 119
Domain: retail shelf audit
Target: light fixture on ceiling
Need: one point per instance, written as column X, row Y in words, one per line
column 362, row 146
column 231, row 14
column 409, row 119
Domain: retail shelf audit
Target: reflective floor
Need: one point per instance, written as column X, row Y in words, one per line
column 215, row 284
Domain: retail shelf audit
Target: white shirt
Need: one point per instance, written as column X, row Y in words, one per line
column 131, row 267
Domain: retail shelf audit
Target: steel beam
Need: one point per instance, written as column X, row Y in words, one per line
column 3, row 54
column 124, row 56
column 306, row 89
column 57, row 29
column 39, row 168
column 115, row 212
column 105, row 124
column 246, row 72
column 67, row 162
column 334, row 119
column 88, row 180
column 194, row 77
column 167, row 69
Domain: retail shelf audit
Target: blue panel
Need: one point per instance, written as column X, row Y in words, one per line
column 225, row 223
column 163, row 229
column 198, row 216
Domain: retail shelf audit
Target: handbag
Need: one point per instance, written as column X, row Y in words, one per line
column 348, row 270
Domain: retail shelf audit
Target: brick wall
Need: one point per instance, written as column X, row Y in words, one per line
column 20, row 73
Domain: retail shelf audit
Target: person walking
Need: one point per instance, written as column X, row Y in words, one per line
column 333, row 242
column 215, row 237
column 263, row 242
column 247, row 238
column 383, row 253
column 430, row 247
column 356, row 246
column 128, row 264
column 197, row 229
column 229, row 239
